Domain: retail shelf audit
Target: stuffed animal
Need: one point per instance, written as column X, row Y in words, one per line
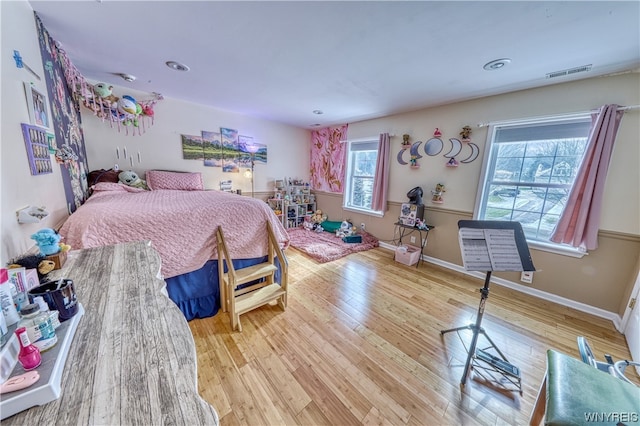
column 318, row 217
column 131, row 178
column 105, row 92
column 45, row 267
column 127, row 105
column 346, row 229
column 47, row 240
column 147, row 110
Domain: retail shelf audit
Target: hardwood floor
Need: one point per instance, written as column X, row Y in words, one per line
column 360, row 344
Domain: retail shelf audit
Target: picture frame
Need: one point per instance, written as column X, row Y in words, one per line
column 37, row 105
column 37, row 145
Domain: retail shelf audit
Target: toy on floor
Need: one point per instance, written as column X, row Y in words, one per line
column 346, row 229
column 315, row 221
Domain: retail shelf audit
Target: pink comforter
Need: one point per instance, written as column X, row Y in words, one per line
column 180, row 224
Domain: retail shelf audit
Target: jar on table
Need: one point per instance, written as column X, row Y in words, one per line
column 39, row 327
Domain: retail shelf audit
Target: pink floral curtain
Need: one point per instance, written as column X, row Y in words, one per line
column 580, row 220
column 381, row 182
column 328, row 159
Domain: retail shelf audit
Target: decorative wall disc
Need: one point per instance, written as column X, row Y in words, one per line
column 474, row 153
column 414, row 150
column 400, row 159
column 433, row 147
column 456, row 147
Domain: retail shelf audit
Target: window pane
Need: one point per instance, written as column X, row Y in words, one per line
column 530, row 172
column 361, row 170
column 362, row 192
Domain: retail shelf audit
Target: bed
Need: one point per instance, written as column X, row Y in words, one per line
column 181, row 226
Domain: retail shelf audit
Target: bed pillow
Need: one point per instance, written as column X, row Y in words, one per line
column 158, row 179
column 102, row 175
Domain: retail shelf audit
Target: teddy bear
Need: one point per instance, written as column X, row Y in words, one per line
column 316, row 220
column 131, row 178
column 47, row 241
column 318, row 217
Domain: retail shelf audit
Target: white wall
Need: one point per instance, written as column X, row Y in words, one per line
column 18, row 187
column 621, row 211
column 160, row 146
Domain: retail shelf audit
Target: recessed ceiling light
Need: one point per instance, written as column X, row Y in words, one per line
column 177, row 66
column 496, row 64
column 317, row 112
column 127, row 77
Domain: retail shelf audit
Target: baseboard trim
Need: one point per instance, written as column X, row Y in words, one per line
column 583, row 307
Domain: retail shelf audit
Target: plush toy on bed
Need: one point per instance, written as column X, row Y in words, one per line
column 131, row 178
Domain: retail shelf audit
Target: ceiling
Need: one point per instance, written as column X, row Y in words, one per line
column 351, row 60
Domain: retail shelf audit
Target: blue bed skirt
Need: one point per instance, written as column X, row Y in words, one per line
column 197, row 293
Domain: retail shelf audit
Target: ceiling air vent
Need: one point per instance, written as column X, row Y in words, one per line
column 583, row 68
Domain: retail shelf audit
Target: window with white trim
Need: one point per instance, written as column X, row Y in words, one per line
column 359, row 176
column 529, row 171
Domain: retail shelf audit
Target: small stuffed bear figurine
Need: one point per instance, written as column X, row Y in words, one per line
column 47, row 240
column 131, row 178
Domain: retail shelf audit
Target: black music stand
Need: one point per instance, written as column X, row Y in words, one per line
column 489, row 246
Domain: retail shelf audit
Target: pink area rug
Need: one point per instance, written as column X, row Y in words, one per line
column 325, row 247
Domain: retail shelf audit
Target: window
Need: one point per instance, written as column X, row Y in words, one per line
column 528, row 173
column 361, row 170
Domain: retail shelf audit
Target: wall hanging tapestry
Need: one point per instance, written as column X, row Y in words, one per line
column 328, row 159
column 65, row 122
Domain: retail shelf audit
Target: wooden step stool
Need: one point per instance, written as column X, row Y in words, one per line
column 238, row 301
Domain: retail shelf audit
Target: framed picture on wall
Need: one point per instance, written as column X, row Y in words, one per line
column 37, row 105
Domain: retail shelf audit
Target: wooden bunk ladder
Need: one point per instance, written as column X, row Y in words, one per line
column 239, row 301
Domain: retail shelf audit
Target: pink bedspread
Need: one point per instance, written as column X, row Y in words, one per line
column 180, row 224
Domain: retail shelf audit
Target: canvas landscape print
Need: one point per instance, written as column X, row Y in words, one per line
column 230, row 150
column 192, row 147
column 212, row 149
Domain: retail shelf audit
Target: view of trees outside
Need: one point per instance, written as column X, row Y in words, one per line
column 530, row 183
column 363, row 171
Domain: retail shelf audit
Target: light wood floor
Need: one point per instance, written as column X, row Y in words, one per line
column 360, row 343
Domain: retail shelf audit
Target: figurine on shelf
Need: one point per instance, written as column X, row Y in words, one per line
column 405, row 141
column 437, row 194
column 452, row 162
column 437, row 133
column 414, row 162
column 466, row 134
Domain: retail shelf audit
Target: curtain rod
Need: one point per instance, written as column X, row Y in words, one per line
column 371, row 138
column 622, row 108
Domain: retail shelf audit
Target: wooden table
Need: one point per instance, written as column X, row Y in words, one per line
column 132, row 359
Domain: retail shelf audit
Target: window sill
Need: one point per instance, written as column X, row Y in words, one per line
column 363, row 211
column 557, row 249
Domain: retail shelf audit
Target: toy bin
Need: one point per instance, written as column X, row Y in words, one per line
column 407, row 254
